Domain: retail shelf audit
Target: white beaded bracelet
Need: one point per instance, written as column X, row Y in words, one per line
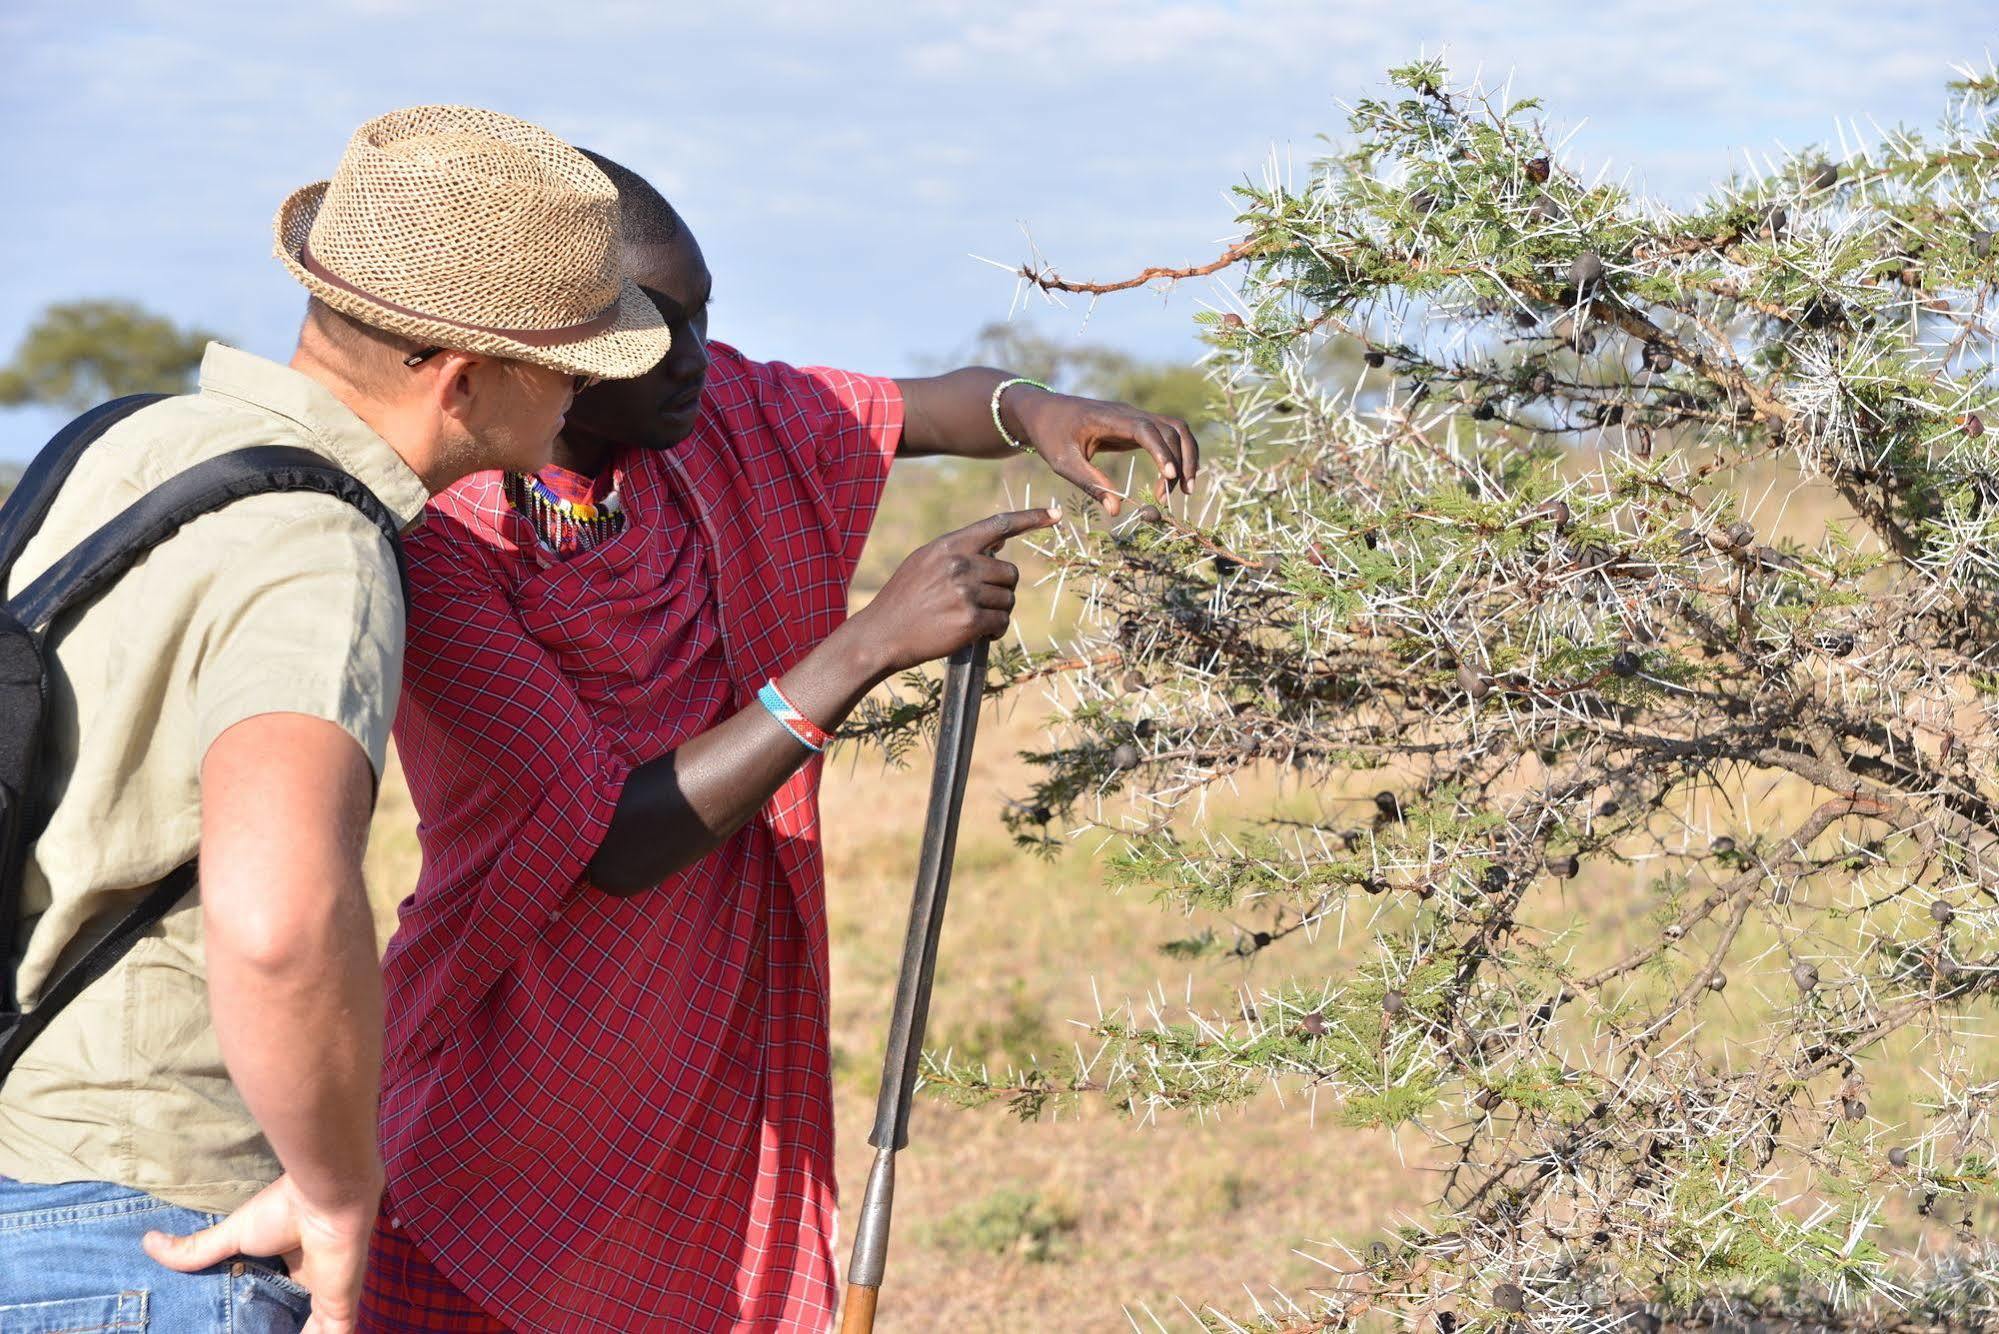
column 999, row 425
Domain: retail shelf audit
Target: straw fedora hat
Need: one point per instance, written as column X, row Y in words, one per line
column 476, row 231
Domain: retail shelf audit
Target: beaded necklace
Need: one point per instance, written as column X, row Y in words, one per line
column 564, row 526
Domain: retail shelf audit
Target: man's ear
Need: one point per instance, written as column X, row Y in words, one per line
column 453, row 380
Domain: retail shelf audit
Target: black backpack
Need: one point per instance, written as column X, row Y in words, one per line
column 87, row 570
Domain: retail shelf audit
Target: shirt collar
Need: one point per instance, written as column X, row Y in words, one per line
column 331, row 425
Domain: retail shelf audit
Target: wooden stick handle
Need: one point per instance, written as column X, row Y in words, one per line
column 859, row 1316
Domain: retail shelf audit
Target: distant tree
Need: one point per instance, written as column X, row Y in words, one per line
column 82, row 352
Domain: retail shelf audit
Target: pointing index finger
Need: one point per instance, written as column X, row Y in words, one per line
column 989, row 534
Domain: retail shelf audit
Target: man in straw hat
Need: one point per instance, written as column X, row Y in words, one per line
column 232, row 695
column 607, row 1099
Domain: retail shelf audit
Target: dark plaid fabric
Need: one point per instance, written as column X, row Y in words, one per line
column 406, row 1294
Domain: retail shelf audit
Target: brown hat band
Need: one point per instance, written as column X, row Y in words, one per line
column 568, row 333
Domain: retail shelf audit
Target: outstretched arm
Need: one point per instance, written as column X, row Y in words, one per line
column 952, row 414
column 673, row 809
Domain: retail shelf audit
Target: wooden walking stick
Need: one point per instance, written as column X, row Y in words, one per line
column 964, row 682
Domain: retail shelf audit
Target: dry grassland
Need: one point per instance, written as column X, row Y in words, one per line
column 1070, row 1225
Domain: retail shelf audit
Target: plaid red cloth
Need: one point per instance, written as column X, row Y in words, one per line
column 601, row 1113
column 406, row 1294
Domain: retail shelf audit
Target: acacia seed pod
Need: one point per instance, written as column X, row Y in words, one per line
column 1719, row 982
column 1722, row 846
column 1855, row 1109
column 1125, row 756
column 1232, row 320
column 1374, row 357
column 1974, row 425
column 1393, row 1003
column 1898, row 1157
column 1537, row 169
column 1388, row 804
column 1805, row 976
column 1942, row 913
column 1508, row 1297
column 1314, row 1023
column 1473, row 684
column 1586, row 272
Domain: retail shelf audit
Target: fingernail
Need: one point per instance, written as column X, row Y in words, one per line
column 1055, row 513
column 1171, row 471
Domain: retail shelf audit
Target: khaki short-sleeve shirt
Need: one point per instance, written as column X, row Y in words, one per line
column 282, row 603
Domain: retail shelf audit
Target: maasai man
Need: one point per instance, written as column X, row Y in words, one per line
column 607, row 1102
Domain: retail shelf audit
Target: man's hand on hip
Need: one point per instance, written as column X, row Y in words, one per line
column 326, row 1253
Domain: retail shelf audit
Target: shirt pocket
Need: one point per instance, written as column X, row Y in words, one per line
column 77, row 1315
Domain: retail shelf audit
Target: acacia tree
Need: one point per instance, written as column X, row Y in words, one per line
column 82, row 352
column 1514, row 566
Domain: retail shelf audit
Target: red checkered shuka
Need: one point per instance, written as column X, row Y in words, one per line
column 603, row 1113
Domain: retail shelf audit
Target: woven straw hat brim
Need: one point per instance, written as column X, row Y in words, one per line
column 633, row 345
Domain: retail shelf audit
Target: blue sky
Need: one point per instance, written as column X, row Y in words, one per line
column 842, row 162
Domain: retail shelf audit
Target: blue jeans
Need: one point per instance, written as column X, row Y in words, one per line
column 70, row 1263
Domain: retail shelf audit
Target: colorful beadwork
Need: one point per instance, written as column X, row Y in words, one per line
column 564, row 526
column 810, row 735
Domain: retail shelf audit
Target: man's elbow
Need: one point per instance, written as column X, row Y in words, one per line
column 277, row 939
column 622, row 876
column 621, row 881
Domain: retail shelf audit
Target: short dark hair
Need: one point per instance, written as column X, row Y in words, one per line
column 643, row 212
column 370, row 357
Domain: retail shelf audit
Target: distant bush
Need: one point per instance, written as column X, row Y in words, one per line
column 1009, row 1224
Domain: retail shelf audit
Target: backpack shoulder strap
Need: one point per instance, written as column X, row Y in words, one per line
column 28, row 504
column 96, row 961
column 92, row 566
column 96, row 562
